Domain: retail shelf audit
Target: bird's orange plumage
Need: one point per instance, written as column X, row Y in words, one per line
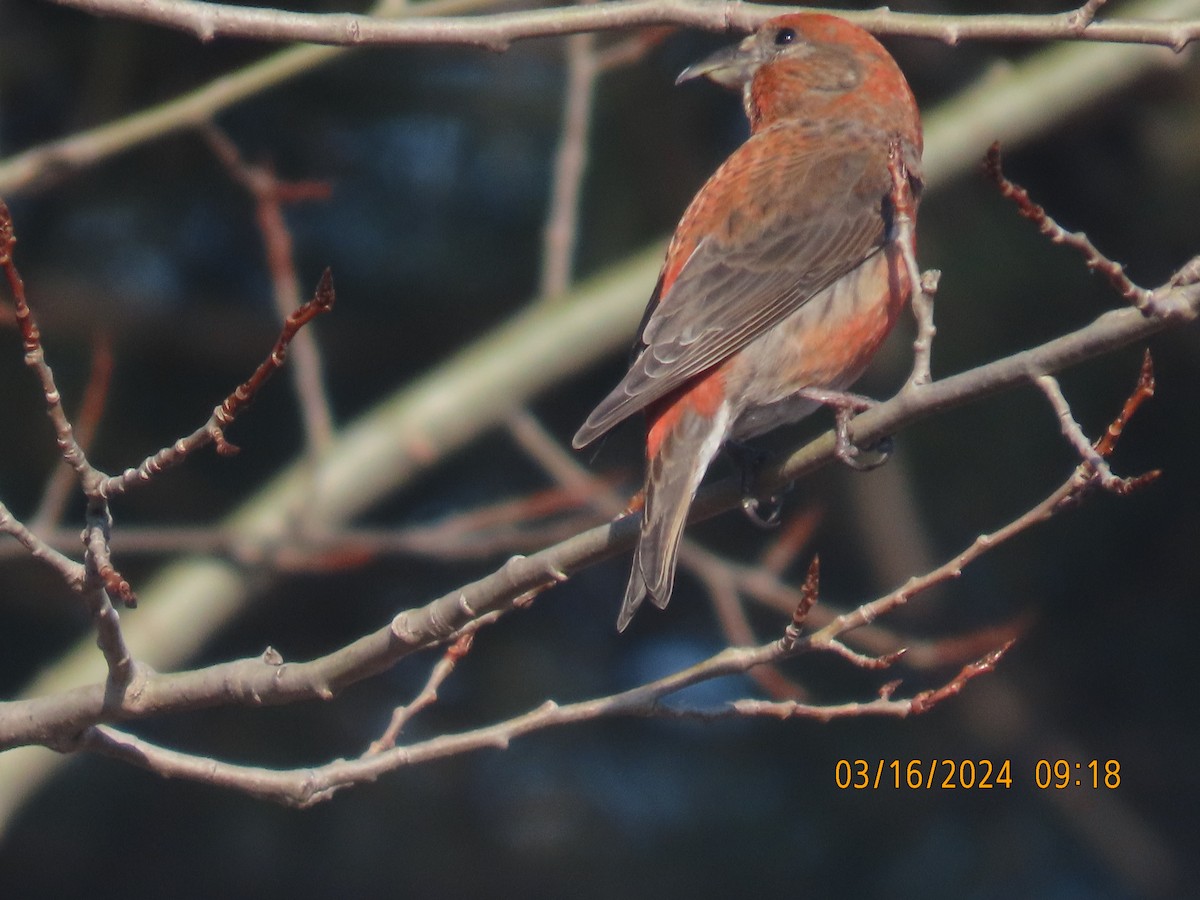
column 782, row 275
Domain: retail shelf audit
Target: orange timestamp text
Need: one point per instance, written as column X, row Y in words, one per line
column 972, row 774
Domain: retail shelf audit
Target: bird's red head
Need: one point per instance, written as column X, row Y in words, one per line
column 808, row 66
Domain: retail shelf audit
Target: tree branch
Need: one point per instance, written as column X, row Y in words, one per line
column 497, row 31
column 269, row 681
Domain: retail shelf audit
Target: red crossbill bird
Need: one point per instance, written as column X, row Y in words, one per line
column 784, row 275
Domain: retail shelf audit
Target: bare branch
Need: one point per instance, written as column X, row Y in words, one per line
column 72, row 572
column 213, row 431
column 1096, row 261
column 923, row 287
column 522, row 578
column 883, row 705
column 91, row 408
column 74, row 720
column 35, row 358
column 1063, row 78
column 496, row 31
column 311, row 785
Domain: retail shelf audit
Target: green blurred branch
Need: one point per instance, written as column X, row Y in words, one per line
column 48, row 162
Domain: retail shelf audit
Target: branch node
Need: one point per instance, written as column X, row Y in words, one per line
column 1079, row 19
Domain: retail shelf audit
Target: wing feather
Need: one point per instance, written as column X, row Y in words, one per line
column 767, row 232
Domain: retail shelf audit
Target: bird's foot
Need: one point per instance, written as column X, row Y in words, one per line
column 753, row 508
column 852, row 455
column 762, row 511
column 846, row 406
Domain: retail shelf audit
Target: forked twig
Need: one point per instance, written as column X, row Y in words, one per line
column 922, row 286
column 1139, row 297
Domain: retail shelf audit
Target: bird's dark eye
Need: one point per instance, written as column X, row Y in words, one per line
column 784, row 36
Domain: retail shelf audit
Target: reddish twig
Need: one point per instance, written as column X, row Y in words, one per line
column 97, row 559
column 213, row 431
column 98, row 554
column 926, row 700
column 243, row 395
column 809, row 591
column 1095, row 260
column 35, row 356
column 809, row 594
column 883, row 705
column 1143, row 391
column 864, row 660
column 1072, row 431
column 270, row 194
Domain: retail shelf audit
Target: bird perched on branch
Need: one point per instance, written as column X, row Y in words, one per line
column 784, row 275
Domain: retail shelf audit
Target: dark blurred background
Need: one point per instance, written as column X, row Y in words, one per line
column 439, row 161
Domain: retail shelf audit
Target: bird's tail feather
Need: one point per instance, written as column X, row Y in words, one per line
column 672, row 476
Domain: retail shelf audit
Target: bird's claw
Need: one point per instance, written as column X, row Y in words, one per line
column 851, row 455
column 845, row 407
column 753, row 508
column 748, row 461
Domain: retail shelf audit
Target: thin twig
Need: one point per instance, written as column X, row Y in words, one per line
column 427, row 696
column 1072, row 431
column 1143, row 391
column 213, row 431
column 922, row 287
column 98, row 568
column 308, row 786
column 884, row 705
column 270, row 194
column 1069, row 492
column 72, row 572
column 58, row 489
column 1095, row 260
column 35, row 359
column 570, row 164
column 97, row 554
